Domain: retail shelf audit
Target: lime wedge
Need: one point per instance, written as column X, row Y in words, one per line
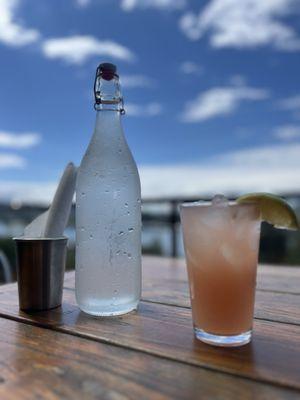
column 274, row 210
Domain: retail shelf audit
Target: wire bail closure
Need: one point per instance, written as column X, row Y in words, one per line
column 97, row 93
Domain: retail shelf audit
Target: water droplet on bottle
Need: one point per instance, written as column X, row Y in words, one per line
column 118, row 252
column 91, row 236
column 82, row 194
column 129, row 255
column 128, row 212
column 121, row 233
column 130, row 229
column 82, row 229
column 120, row 151
column 126, row 204
column 106, row 191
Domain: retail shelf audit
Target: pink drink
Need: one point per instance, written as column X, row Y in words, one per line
column 221, row 245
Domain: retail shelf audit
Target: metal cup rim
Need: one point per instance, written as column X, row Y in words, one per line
column 39, row 239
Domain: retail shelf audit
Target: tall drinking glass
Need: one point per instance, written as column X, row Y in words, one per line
column 221, row 242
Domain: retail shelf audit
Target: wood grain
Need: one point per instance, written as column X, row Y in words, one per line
column 168, row 285
column 166, row 331
column 271, row 306
column 170, row 272
column 272, row 278
column 165, row 281
column 279, row 278
column 113, row 355
column 41, row 364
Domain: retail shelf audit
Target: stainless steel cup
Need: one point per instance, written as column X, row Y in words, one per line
column 40, row 272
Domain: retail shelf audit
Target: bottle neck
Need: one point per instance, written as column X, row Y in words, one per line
column 105, row 116
column 108, row 126
column 108, row 133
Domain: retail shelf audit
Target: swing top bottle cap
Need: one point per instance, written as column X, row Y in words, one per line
column 107, row 71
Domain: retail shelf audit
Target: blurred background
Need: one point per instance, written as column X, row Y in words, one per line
column 212, row 99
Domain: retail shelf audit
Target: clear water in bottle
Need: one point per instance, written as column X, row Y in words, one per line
column 108, row 211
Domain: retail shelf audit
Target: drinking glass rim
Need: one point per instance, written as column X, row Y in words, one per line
column 208, row 203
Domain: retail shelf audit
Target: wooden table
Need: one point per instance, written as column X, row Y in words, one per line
column 151, row 354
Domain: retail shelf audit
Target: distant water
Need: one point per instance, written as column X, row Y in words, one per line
column 154, row 236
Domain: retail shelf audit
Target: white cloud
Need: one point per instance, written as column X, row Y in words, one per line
column 287, row 132
column 19, row 141
column 220, row 101
column 239, row 171
column 189, row 67
column 290, row 103
column 244, row 24
column 77, row 49
column 12, row 32
column 247, row 170
column 133, row 81
column 238, row 80
column 27, row 192
column 265, row 156
column 129, row 5
column 8, row 160
column 83, row 3
column 196, row 181
column 146, row 110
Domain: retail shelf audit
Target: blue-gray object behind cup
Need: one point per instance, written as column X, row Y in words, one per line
column 40, row 272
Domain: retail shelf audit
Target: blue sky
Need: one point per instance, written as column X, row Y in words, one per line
column 211, row 90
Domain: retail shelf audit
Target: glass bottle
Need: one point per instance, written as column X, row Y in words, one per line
column 108, row 210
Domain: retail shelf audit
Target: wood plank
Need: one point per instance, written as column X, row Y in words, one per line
column 170, row 287
column 279, row 278
column 271, row 306
column 42, row 364
column 172, row 272
column 166, row 331
column 280, row 307
column 273, row 278
column 165, row 281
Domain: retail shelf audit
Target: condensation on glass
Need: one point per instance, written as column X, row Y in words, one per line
column 108, row 210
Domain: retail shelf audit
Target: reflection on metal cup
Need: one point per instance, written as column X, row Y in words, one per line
column 40, row 272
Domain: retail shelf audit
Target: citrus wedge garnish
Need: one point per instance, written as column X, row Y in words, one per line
column 274, row 210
